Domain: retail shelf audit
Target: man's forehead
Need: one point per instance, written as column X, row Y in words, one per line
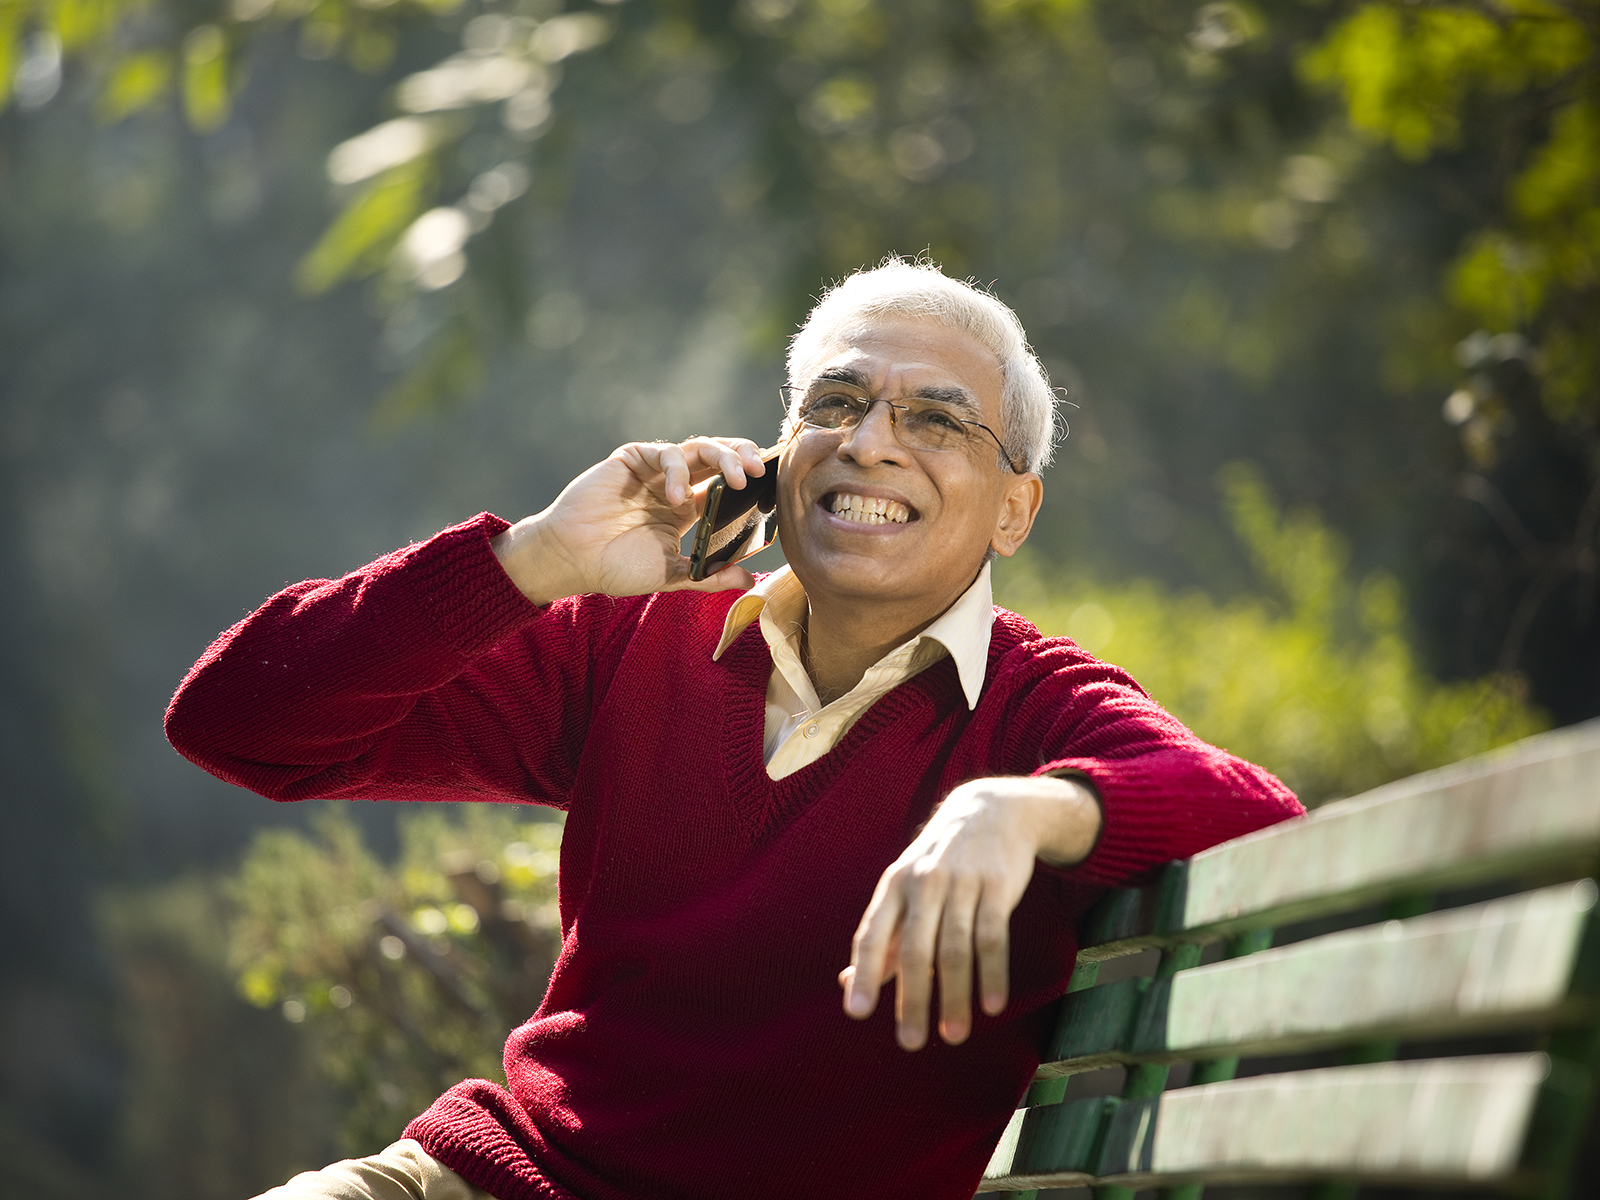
column 924, row 351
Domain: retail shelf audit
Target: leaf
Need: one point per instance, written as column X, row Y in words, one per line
column 1500, row 280
column 135, row 83
column 1299, row 554
column 10, row 30
column 315, row 922
column 360, row 239
column 205, row 78
column 1564, row 176
column 79, row 22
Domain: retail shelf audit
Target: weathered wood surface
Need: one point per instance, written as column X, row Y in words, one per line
column 1534, row 801
column 1508, row 960
column 1523, row 809
column 1502, row 964
column 1439, row 1120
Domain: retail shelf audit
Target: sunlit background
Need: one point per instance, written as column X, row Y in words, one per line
column 287, row 283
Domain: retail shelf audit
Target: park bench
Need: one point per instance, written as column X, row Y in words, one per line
column 1427, row 1018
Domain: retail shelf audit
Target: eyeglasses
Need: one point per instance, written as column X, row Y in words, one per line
column 834, row 405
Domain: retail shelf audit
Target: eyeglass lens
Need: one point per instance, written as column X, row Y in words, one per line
column 921, row 426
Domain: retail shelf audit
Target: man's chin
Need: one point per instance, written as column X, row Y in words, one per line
column 858, row 577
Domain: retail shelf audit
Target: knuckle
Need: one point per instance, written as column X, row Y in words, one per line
column 953, row 957
column 932, row 873
column 915, row 960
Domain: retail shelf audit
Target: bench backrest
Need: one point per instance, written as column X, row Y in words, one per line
column 1471, row 949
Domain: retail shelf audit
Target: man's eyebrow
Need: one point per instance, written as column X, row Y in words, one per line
column 855, row 378
column 955, row 397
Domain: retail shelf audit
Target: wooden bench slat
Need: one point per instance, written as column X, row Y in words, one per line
column 1532, row 808
column 1528, row 813
column 1453, row 1120
column 1535, row 802
column 1440, row 1119
column 1435, row 975
column 1505, row 963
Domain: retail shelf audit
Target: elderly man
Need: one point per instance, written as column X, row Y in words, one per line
column 854, row 758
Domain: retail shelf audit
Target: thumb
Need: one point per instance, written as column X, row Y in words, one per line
column 725, row 579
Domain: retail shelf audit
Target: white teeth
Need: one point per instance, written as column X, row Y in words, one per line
column 869, row 510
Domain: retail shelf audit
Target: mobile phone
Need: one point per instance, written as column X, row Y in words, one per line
column 736, row 522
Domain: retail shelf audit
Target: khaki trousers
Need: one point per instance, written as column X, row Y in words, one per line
column 403, row 1171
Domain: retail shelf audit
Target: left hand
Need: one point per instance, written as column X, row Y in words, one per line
column 950, row 895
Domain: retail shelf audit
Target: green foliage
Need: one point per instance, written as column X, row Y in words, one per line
column 1411, row 75
column 206, row 91
column 879, row 104
column 408, row 976
column 135, row 82
column 362, row 237
column 1312, row 676
column 1406, row 71
column 121, row 43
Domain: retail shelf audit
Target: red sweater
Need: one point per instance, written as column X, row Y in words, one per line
column 691, row 1043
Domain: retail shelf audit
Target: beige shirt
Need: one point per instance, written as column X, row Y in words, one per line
column 800, row 729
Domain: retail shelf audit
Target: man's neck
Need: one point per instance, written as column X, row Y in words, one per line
column 840, row 642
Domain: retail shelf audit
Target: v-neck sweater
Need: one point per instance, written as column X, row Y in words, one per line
column 692, row 1042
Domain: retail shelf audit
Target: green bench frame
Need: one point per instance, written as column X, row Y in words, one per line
column 1525, row 963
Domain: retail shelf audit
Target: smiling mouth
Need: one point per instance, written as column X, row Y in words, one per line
column 867, row 510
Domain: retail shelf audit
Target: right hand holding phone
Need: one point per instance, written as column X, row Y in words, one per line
column 617, row 528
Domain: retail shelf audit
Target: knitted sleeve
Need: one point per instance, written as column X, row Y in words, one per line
column 1164, row 793
column 425, row 675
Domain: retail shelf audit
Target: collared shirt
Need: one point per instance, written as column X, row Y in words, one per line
column 800, row 729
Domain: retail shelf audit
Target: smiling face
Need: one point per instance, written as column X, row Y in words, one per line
column 864, row 520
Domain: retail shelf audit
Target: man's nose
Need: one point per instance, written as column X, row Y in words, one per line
column 872, row 439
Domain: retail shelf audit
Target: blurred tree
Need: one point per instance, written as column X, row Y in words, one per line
column 1234, row 231
column 1504, row 101
column 1172, row 158
column 408, row 977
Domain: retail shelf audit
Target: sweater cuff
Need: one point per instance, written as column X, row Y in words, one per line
column 1077, row 775
column 461, row 586
column 1121, row 850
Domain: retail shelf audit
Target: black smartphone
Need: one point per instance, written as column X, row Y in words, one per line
column 736, row 522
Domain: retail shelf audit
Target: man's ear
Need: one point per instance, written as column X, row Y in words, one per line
column 1021, row 506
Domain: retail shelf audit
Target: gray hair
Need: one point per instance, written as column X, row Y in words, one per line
column 897, row 288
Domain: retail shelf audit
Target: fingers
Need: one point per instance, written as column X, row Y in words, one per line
column 955, row 962
column 723, row 579
column 915, row 914
column 870, row 952
column 992, row 938
column 673, row 468
column 914, row 988
column 942, row 911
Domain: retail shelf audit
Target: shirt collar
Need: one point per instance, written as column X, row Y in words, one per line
column 962, row 629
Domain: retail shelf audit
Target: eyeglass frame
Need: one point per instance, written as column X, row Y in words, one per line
column 784, row 391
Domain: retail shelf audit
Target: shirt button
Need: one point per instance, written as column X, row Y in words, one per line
column 811, row 731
